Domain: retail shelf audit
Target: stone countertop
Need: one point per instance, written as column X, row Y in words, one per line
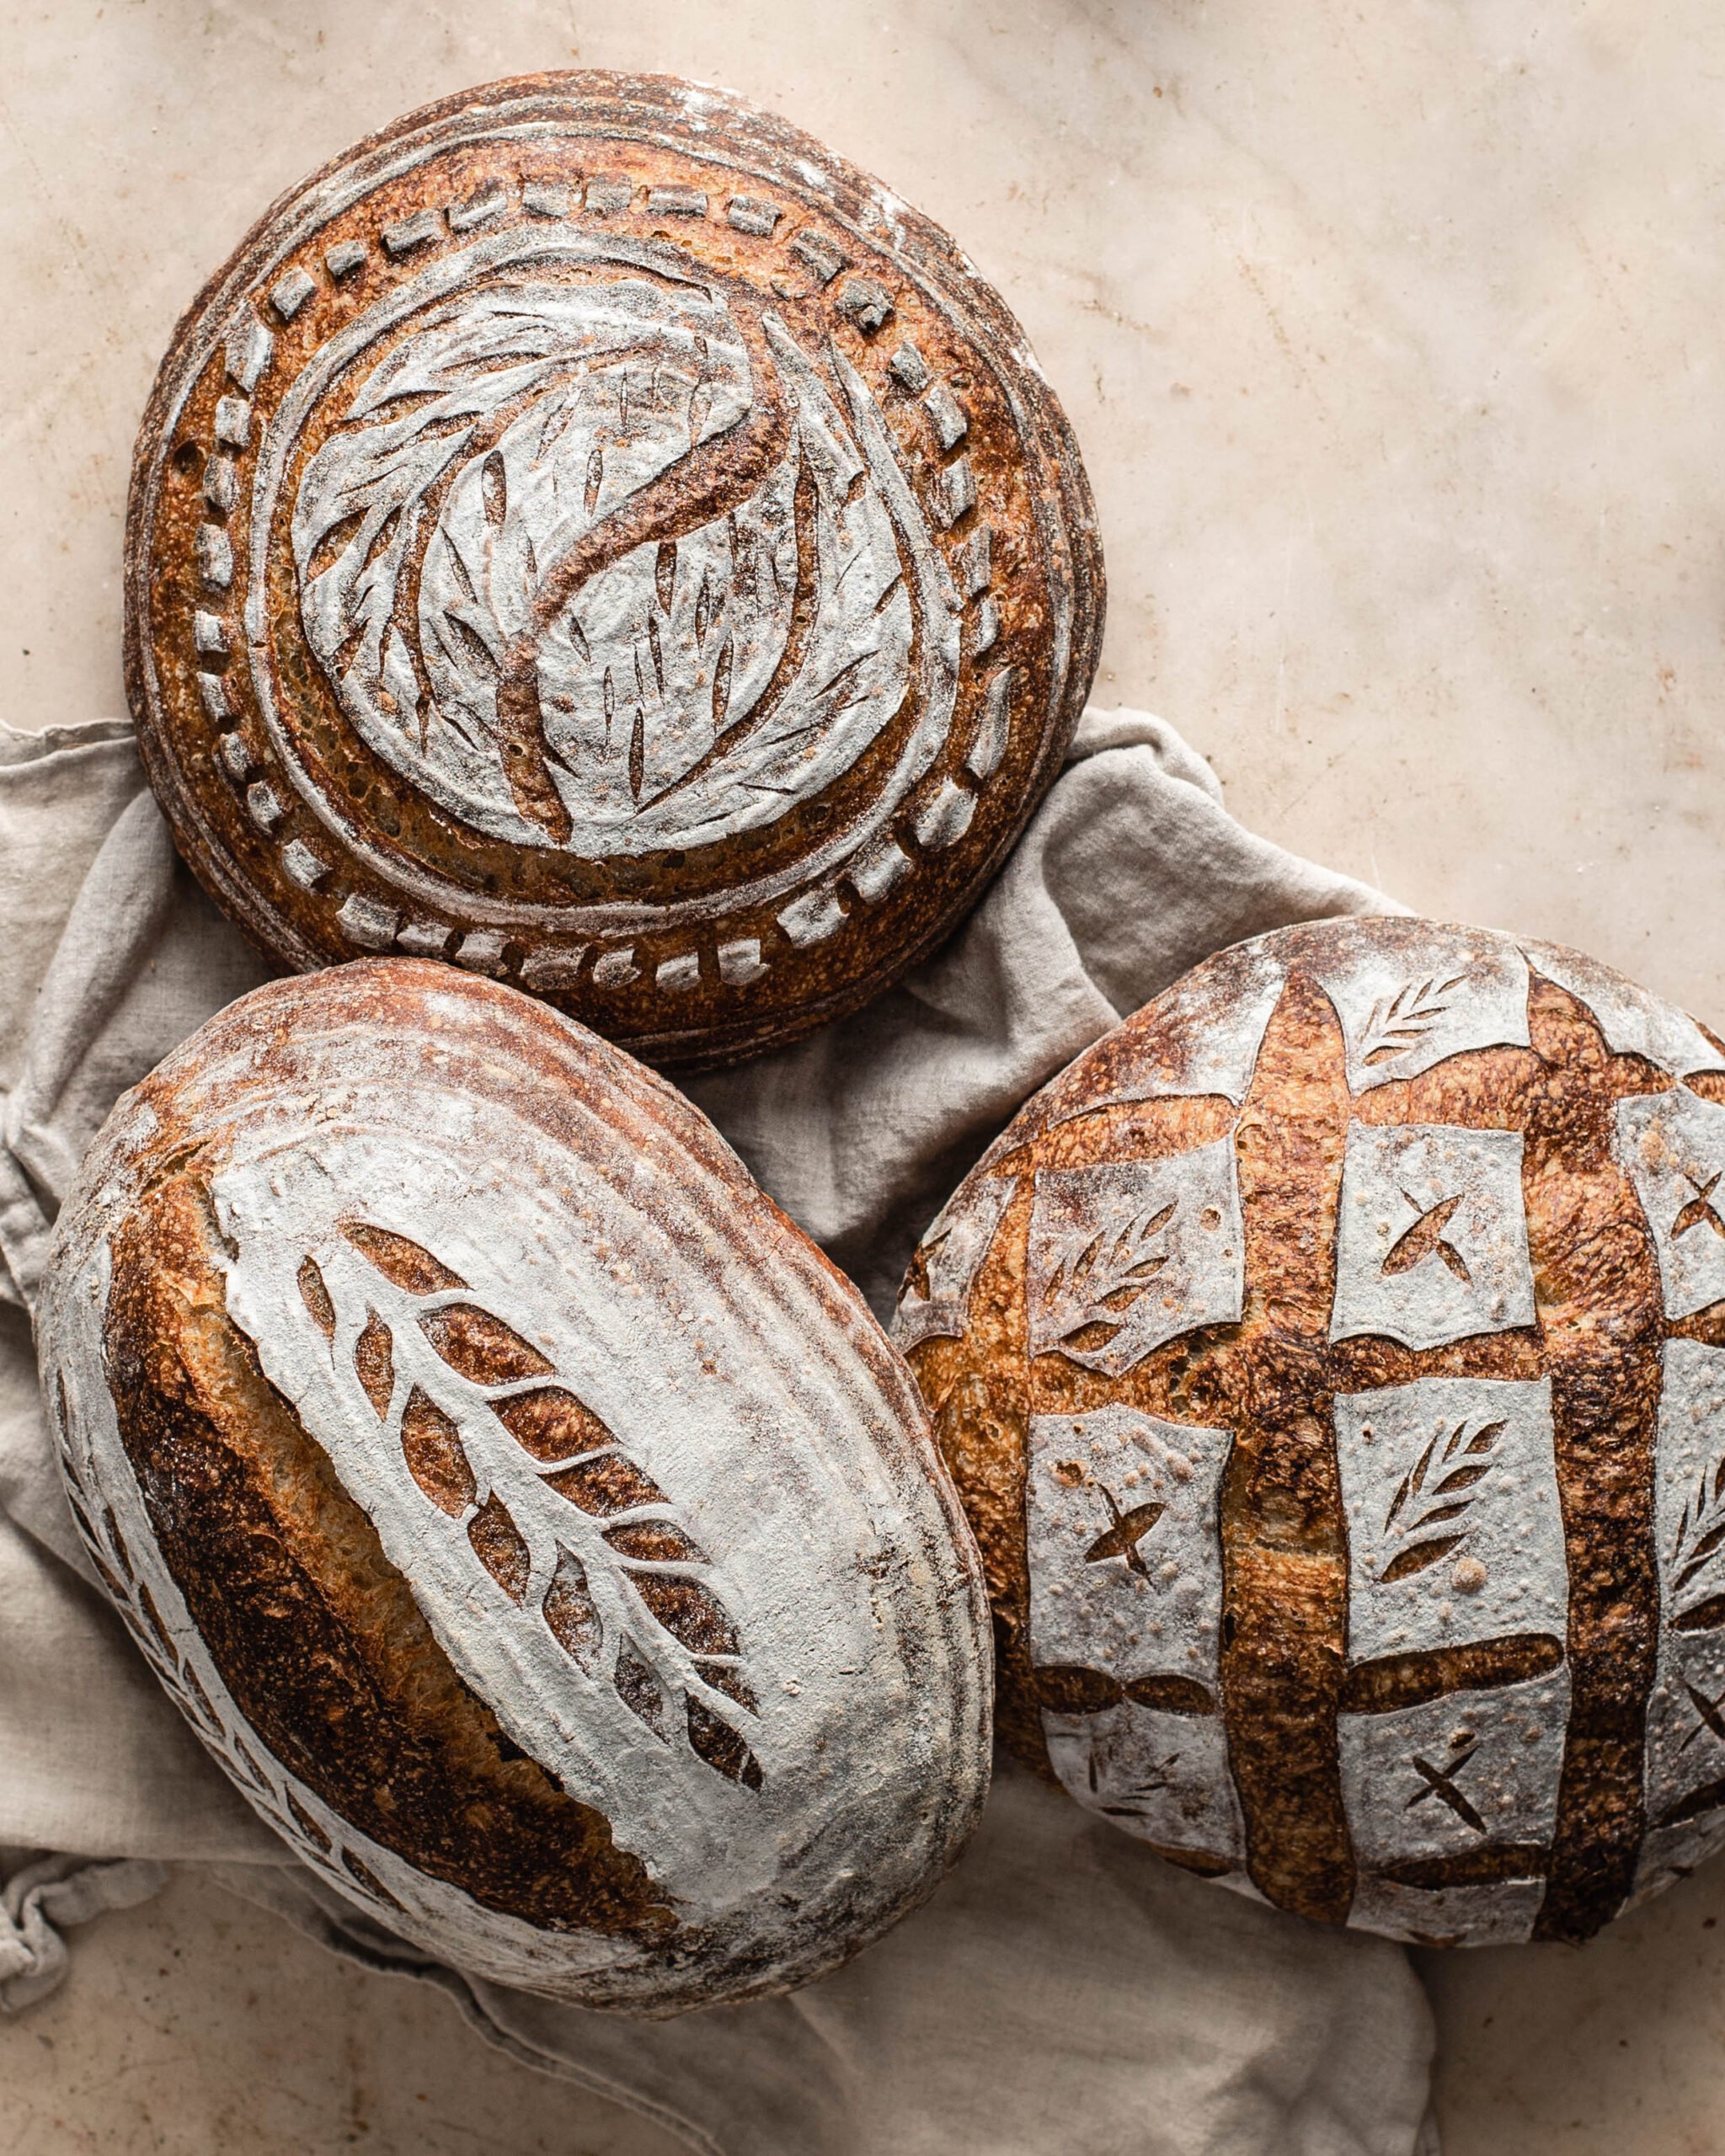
column 1390, row 335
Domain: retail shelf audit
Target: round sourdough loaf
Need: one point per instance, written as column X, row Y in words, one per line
column 591, row 532
column 1332, row 1364
column 527, row 1517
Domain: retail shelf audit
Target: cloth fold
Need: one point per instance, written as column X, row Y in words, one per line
column 1130, row 871
column 43, row 1899
column 1065, row 1994
column 1064, row 1989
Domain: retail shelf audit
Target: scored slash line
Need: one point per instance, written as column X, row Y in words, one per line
column 1441, row 1783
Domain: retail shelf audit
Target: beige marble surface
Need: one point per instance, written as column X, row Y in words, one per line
column 199, row 2026
column 1392, row 333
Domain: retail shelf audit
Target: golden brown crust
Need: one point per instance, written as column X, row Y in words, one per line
column 1283, row 1546
column 1271, row 1380
column 317, row 1635
column 419, row 1362
column 651, row 943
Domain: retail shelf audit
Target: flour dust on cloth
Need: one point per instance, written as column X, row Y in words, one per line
column 1066, row 1990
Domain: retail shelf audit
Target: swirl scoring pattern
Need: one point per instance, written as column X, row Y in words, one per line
column 692, row 684
column 591, row 534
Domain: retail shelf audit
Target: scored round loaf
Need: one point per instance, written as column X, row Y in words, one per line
column 1332, row 1361
column 526, row 1516
column 590, row 532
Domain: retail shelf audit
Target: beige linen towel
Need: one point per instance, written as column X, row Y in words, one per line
column 1066, row 1993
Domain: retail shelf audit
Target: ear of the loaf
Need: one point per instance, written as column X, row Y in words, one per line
column 318, row 1637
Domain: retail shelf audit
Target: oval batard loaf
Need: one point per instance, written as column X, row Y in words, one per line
column 591, row 532
column 525, row 1514
column 1332, row 1362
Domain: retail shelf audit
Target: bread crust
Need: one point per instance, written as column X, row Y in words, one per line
column 317, row 1636
column 369, row 695
column 533, row 1522
column 1536, row 1299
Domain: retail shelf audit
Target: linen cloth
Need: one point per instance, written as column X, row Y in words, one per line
column 1064, row 1990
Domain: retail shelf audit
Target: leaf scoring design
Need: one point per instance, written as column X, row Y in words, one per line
column 116, row 1541
column 81, row 1516
column 482, row 1347
column 1097, row 1279
column 1401, row 1021
column 306, row 1824
column 367, row 1878
column 432, row 1447
column 1707, row 1615
column 568, row 1458
column 404, row 1263
column 501, row 1548
column 316, row 1296
column 638, row 1689
column 687, row 1612
column 1418, row 1556
column 727, row 1678
column 1435, row 1494
column 655, row 1541
column 557, row 559
column 247, row 1761
column 719, row 1745
column 152, row 1617
column 1700, row 1536
column 609, row 1484
column 551, row 1424
column 572, row 1613
column 202, row 1710
column 374, row 1361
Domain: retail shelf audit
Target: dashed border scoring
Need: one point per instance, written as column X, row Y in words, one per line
column 943, row 814
column 272, row 1793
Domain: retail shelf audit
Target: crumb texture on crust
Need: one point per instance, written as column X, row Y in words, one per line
column 527, row 1517
column 590, row 532
column 1332, row 1362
